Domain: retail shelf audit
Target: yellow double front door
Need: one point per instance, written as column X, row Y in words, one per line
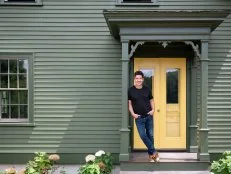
column 167, row 79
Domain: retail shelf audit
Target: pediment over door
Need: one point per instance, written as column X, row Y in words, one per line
column 163, row 25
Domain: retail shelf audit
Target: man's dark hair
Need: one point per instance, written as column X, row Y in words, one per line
column 139, row 73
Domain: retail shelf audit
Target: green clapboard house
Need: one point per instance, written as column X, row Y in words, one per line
column 65, row 67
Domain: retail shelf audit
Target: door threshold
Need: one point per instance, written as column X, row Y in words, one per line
column 169, row 161
column 162, row 150
column 165, row 157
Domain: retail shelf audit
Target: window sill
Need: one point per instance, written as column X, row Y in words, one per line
column 137, row 4
column 21, row 4
column 17, row 124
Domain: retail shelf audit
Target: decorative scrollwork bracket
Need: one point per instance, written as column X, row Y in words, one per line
column 133, row 48
column 195, row 48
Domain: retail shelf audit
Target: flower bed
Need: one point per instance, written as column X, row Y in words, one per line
column 99, row 163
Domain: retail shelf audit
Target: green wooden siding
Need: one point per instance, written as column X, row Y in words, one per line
column 219, row 99
column 77, row 75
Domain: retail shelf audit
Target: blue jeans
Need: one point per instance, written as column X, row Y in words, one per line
column 144, row 126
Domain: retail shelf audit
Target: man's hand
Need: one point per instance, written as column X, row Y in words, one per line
column 151, row 112
column 135, row 116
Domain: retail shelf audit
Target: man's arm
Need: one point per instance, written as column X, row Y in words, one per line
column 153, row 107
column 131, row 109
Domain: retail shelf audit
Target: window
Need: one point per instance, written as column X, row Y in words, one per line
column 137, row 2
column 21, row 2
column 15, row 92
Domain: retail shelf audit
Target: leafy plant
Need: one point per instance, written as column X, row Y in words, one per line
column 223, row 165
column 90, row 168
column 100, row 163
column 41, row 164
column 105, row 163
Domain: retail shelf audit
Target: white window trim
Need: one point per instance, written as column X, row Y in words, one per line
column 37, row 2
column 28, row 121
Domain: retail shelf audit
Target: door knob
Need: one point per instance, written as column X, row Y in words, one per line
column 158, row 110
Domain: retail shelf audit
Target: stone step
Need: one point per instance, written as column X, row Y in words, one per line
column 177, row 161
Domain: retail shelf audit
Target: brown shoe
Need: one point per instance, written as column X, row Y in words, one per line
column 151, row 158
column 156, row 157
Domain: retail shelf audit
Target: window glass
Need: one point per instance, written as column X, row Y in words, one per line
column 23, row 111
column 23, row 65
column 172, row 77
column 5, row 111
column 4, row 66
column 4, row 81
column 23, row 97
column 14, row 111
column 14, row 97
column 13, row 81
column 148, row 77
column 13, row 66
column 22, row 81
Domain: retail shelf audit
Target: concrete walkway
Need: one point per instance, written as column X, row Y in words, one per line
column 166, row 172
column 72, row 169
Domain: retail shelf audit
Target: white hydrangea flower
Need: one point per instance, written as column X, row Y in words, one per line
column 10, row 170
column 99, row 153
column 90, row 158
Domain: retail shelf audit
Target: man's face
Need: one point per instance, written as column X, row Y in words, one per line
column 139, row 80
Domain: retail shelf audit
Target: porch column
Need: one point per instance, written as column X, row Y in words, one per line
column 193, row 118
column 203, row 127
column 124, row 131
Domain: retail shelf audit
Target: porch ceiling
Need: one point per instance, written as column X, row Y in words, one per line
column 117, row 19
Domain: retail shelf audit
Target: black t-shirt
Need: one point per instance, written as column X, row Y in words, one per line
column 140, row 99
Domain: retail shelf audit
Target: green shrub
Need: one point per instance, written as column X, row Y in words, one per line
column 223, row 165
column 100, row 163
column 41, row 164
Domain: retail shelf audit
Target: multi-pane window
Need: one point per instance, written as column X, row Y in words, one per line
column 137, row 2
column 13, row 88
column 21, row 2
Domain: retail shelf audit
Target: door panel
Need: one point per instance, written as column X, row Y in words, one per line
column 167, row 79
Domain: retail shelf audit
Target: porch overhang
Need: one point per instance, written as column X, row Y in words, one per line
column 146, row 19
column 153, row 26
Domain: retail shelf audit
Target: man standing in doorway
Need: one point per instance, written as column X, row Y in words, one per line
column 141, row 107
